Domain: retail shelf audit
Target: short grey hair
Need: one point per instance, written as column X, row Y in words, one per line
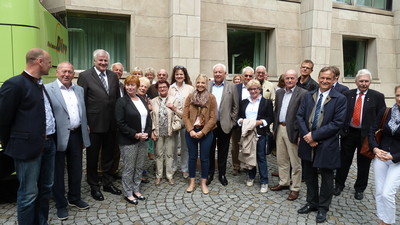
column 220, row 65
column 364, row 72
column 253, row 83
column 261, row 67
column 117, row 63
column 145, row 81
column 248, row 68
column 100, row 52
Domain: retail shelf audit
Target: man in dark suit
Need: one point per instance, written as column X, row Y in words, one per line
column 101, row 88
column 161, row 75
column 320, row 117
column 363, row 107
column 339, row 87
column 228, row 107
column 27, row 128
column 243, row 93
column 287, row 101
column 72, row 134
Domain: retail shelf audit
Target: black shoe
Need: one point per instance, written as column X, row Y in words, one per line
column 139, row 197
column 97, row 195
column 209, row 179
column 223, row 180
column 321, row 216
column 337, row 191
column 359, row 195
column 117, row 176
column 145, row 181
column 307, row 209
column 134, row 201
column 112, row 189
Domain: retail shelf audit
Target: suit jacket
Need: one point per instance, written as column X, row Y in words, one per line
column 229, row 106
column 327, row 153
column 100, row 106
column 390, row 141
column 23, row 119
column 62, row 117
column 373, row 102
column 129, row 120
column 292, row 127
column 341, row 88
column 265, row 112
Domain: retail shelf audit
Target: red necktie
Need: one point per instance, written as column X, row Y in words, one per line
column 357, row 111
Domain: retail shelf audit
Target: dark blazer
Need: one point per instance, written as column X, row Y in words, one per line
column 128, row 120
column 265, row 112
column 327, row 152
column 341, row 88
column 23, row 119
column 100, row 106
column 290, row 120
column 239, row 88
column 152, row 92
column 390, row 142
column 374, row 101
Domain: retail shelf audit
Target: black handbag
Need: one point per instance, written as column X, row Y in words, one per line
column 270, row 143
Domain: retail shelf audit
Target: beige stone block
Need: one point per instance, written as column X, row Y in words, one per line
column 288, row 37
column 187, row 7
column 152, row 26
column 283, row 6
column 186, row 47
column 347, row 14
column 386, row 46
column 383, row 30
column 152, row 47
column 213, row 50
column 175, row 47
column 287, row 20
column 336, row 41
column 196, row 48
column 146, row 7
column 117, row 4
column 179, row 25
column 336, row 57
column 321, row 56
column 193, row 26
column 306, row 37
column 288, row 54
column 212, row 31
column 387, row 60
column 212, row 12
column 193, row 66
column 178, row 61
column 175, row 6
column 156, row 63
column 197, row 7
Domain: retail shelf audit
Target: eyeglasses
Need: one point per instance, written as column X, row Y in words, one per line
column 305, row 67
column 252, row 89
column 162, row 87
column 179, row 67
column 247, row 75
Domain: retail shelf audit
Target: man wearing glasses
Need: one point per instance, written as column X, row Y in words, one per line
column 268, row 88
column 305, row 81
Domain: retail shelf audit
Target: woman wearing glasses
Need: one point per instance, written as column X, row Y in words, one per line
column 256, row 111
column 181, row 87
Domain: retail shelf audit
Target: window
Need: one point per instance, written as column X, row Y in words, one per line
column 87, row 34
column 353, row 56
column 378, row 4
column 246, row 48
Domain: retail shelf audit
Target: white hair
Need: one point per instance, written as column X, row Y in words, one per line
column 220, row 65
column 364, row 72
column 248, row 68
column 117, row 63
column 100, row 52
column 261, row 67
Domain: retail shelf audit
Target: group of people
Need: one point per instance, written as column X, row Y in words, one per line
column 317, row 127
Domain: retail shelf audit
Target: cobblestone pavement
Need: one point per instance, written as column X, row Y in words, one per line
column 232, row 204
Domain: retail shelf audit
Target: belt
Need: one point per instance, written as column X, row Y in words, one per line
column 74, row 129
column 198, row 127
column 47, row 137
column 283, row 124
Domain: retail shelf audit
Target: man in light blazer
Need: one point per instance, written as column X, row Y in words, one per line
column 72, row 135
column 101, row 87
column 226, row 95
column 286, row 132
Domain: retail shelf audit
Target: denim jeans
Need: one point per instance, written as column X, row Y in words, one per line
column 35, row 177
column 261, row 161
column 205, row 146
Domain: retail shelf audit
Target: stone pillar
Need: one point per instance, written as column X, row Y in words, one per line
column 185, row 35
column 316, row 25
column 396, row 24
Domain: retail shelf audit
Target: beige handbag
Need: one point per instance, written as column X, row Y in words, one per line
column 176, row 123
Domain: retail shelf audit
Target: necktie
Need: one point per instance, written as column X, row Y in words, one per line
column 317, row 112
column 357, row 111
column 102, row 75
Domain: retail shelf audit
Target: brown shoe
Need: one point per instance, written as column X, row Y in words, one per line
column 275, row 174
column 235, row 172
column 158, row 181
column 293, row 195
column 171, row 181
column 279, row 188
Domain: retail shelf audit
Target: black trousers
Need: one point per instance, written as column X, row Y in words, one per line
column 73, row 155
column 349, row 144
column 221, row 140
column 318, row 197
column 105, row 142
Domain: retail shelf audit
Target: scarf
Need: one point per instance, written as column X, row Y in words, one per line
column 200, row 99
column 394, row 121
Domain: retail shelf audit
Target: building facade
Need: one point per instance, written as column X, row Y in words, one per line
column 351, row 34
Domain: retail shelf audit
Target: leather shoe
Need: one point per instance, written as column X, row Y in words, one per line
column 235, row 172
column 337, row 191
column 141, row 197
column 321, row 216
column 359, row 195
column 97, row 195
column 209, row 179
column 112, row 189
column 279, row 188
column 223, row 180
column 134, row 201
column 293, row 195
column 307, row 209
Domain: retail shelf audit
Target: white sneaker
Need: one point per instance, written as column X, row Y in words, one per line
column 250, row 182
column 264, row 188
